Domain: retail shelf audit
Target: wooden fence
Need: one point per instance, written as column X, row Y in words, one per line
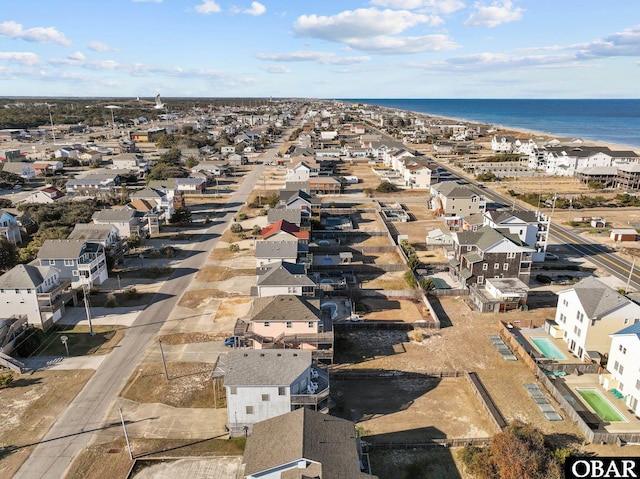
column 429, row 443
column 490, row 407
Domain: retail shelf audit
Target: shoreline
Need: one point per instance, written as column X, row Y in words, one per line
column 566, row 141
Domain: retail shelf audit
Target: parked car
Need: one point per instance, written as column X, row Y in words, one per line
column 234, row 341
column 551, row 257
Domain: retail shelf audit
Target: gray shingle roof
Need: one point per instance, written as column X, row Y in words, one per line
column 499, row 216
column 597, row 298
column 272, row 367
column 486, row 237
column 276, row 249
column 293, row 216
column 285, row 307
column 61, row 249
column 123, row 214
column 305, row 434
column 91, row 232
column 23, row 276
column 452, row 189
column 284, row 274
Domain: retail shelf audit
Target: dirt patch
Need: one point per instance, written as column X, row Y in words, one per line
column 221, row 273
column 189, row 385
column 388, row 281
column 394, row 309
column 233, row 308
column 30, row 406
column 201, row 298
column 434, row 463
column 109, row 460
column 411, row 409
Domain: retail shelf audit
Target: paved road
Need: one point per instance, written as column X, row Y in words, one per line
column 73, row 429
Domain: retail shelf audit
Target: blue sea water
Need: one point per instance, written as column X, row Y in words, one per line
column 612, row 121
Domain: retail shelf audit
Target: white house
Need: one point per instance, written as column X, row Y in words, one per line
column 48, row 194
column 622, row 365
column 589, row 312
column 34, row 291
column 531, row 227
column 261, row 384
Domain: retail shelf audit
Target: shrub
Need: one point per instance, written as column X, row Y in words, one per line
column 234, row 248
column 386, row 187
column 410, row 279
column 256, row 230
column 415, row 335
column 427, row 284
column 111, row 301
column 131, row 293
column 242, row 216
column 5, row 379
column 236, row 228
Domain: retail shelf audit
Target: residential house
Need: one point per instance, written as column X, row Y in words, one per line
column 227, row 150
column 310, row 445
column 489, row 253
column 66, row 152
column 48, row 194
column 454, row 201
column 261, row 384
column 268, row 252
column 417, row 175
column 283, row 278
column 88, row 157
column 191, row 185
column 531, row 227
column 629, row 177
column 309, row 206
column 499, row 295
column 125, row 220
column 9, row 227
column 103, row 184
column 589, row 312
column 107, row 235
column 325, row 185
column 214, row 168
column 503, row 144
column 237, row 160
column 82, row 262
column 21, row 168
column 38, row 292
column 623, row 373
column 132, row 162
column 145, row 136
column 163, row 198
column 565, row 161
column 301, row 171
column 282, row 230
column 437, row 237
column 282, row 213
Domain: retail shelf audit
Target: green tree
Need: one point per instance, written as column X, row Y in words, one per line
column 386, row 187
column 9, row 256
column 181, row 216
column 236, row 228
column 134, row 241
column 190, row 162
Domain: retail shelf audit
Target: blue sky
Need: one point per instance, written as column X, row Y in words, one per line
column 321, row 48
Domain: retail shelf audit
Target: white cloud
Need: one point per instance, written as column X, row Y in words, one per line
column 76, row 56
column 97, row 46
column 360, row 23
column 207, row 7
column 435, row 6
column 404, row 45
column 23, row 58
column 275, row 69
column 626, row 43
column 256, row 9
column 325, row 58
column 493, row 15
column 12, row 29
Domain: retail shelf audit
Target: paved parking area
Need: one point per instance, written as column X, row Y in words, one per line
column 215, row 468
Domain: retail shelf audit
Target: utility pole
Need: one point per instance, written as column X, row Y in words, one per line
column 164, row 363
column 126, row 436
column 630, row 275
column 87, row 310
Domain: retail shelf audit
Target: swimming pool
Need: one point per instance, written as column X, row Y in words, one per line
column 601, row 405
column 546, row 347
column 333, row 307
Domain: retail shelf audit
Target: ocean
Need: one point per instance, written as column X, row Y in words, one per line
column 611, row 121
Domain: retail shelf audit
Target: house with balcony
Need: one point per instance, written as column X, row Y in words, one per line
column 37, row 292
column 80, row 261
column 125, row 220
column 499, row 295
column 489, row 253
column 416, row 175
column 98, row 184
column 308, row 205
column 454, row 201
column 132, row 162
column 532, row 227
column 622, row 372
column 589, row 312
column 302, row 171
column 162, row 198
column 9, row 227
column 309, row 445
column 283, row 278
column 262, row 384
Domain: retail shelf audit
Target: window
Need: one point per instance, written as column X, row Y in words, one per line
column 496, row 265
column 485, row 266
column 74, row 272
column 233, row 390
column 480, row 279
column 267, row 324
column 511, row 255
column 265, row 397
column 615, row 365
column 282, row 391
column 17, row 291
column 289, row 324
column 249, row 409
column 68, row 262
column 621, row 369
column 638, row 384
column 505, row 266
column 52, row 262
column 310, row 324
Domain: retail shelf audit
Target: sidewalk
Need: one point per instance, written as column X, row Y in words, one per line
column 64, row 363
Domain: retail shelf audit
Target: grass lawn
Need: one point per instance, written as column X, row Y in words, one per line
column 80, row 342
column 101, row 299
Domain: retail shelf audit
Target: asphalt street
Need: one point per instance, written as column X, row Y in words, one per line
column 73, row 429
